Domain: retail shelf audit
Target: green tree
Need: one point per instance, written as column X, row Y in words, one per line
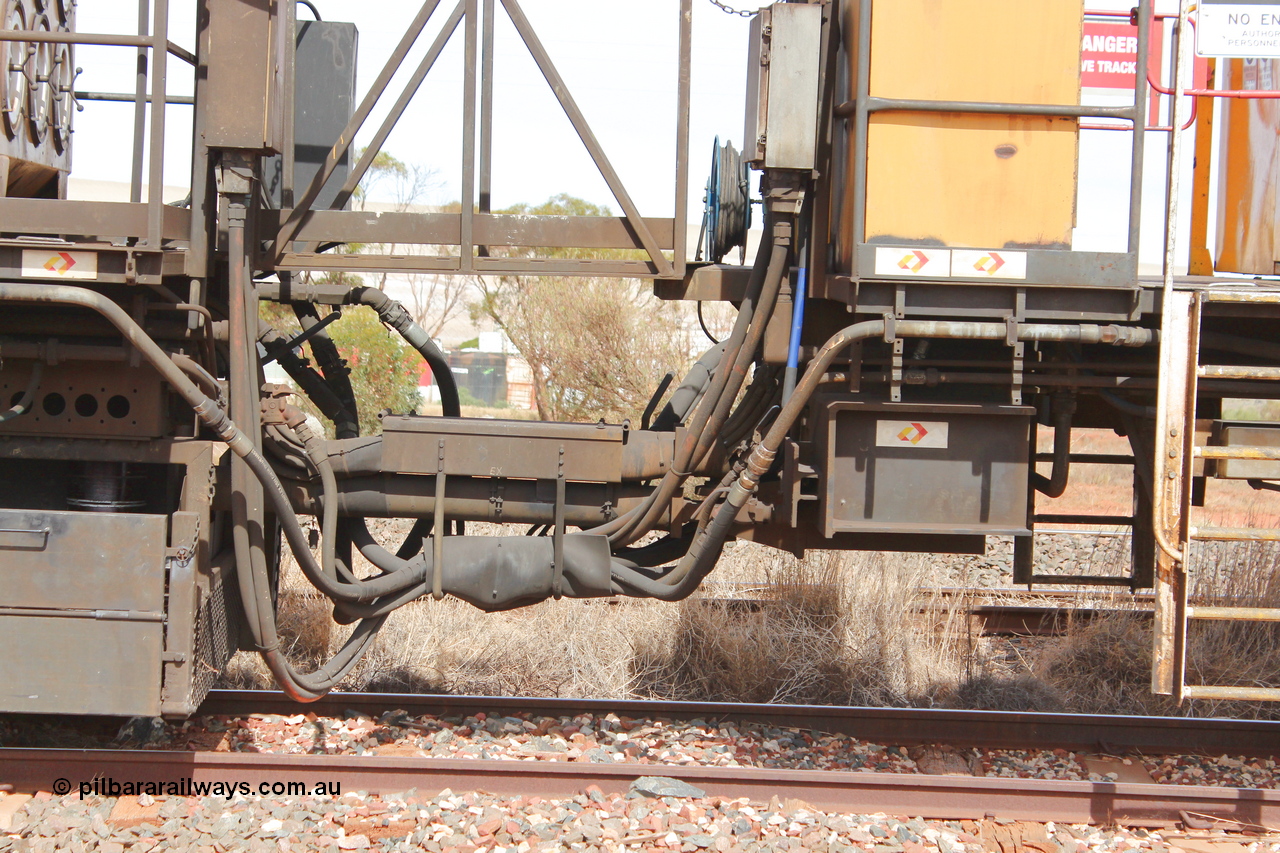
column 384, row 369
column 597, row 347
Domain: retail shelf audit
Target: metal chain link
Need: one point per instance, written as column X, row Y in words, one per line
column 726, row 8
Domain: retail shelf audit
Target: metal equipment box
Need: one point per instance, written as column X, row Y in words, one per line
column 783, row 70
column 1246, row 434
column 92, row 626
column 907, row 468
column 324, row 98
column 530, row 450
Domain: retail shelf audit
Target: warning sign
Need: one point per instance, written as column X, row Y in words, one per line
column 908, row 260
column 1109, row 55
column 1238, row 29
column 44, row 263
column 911, row 434
column 988, row 263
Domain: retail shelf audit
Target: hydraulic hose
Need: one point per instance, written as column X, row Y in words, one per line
column 319, row 389
column 337, row 376
column 683, row 578
column 690, row 391
column 28, row 395
column 306, row 687
column 711, row 412
column 1064, row 407
column 394, row 315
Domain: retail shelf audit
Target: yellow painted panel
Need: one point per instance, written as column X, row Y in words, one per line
column 963, row 179
column 977, row 50
column 1249, row 171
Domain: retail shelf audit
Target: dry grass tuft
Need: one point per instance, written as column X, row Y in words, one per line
column 1105, row 666
column 830, row 629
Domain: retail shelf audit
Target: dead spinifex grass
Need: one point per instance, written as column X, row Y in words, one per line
column 826, row 630
column 1105, row 665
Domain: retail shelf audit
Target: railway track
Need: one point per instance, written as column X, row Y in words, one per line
column 928, row 796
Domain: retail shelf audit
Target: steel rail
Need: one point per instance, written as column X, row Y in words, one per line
column 934, row 797
column 1012, row 730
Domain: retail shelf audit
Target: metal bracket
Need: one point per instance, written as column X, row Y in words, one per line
column 184, row 535
column 557, row 546
column 497, row 488
column 1019, row 348
column 437, row 581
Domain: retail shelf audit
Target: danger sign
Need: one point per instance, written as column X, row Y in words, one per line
column 911, row 434
column 43, row 263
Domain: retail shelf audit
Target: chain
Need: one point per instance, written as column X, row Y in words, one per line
column 726, row 8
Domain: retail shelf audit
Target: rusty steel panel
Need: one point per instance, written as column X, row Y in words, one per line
column 941, row 468
column 81, row 666
column 101, row 219
column 242, row 105
column 94, row 561
column 445, row 229
column 503, row 448
column 88, row 399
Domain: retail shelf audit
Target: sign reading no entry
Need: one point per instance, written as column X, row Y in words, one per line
column 1238, row 28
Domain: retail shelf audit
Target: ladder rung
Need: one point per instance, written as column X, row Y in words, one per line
column 1060, row 518
column 1235, row 534
column 1083, row 580
column 1214, row 691
column 1260, row 296
column 1238, row 452
column 1228, row 371
column 1247, row 614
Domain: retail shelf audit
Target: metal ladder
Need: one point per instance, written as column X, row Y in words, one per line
column 1176, row 450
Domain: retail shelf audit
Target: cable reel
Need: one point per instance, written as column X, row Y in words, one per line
column 726, row 215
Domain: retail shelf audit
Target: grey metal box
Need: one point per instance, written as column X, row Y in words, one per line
column 241, row 107
column 86, row 628
column 913, row 468
column 783, row 70
column 531, row 450
column 1245, row 434
column 324, row 99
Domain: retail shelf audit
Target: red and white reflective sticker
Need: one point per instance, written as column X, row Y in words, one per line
column 50, row 263
column 909, row 260
column 983, row 263
column 911, row 434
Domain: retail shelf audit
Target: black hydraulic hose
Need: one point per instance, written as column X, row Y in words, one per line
column 413, row 541
column 397, row 317
column 337, row 376
column 695, row 450
column 28, row 395
column 689, row 391
column 202, row 377
column 622, row 526
column 303, row 687
column 1064, row 407
column 777, row 271
column 317, row 388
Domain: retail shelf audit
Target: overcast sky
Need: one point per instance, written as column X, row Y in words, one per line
column 618, row 58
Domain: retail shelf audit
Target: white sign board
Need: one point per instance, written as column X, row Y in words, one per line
column 1238, row 29
column 980, row 263
column 51, row 263
column 913, row 261
column 911, row 434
